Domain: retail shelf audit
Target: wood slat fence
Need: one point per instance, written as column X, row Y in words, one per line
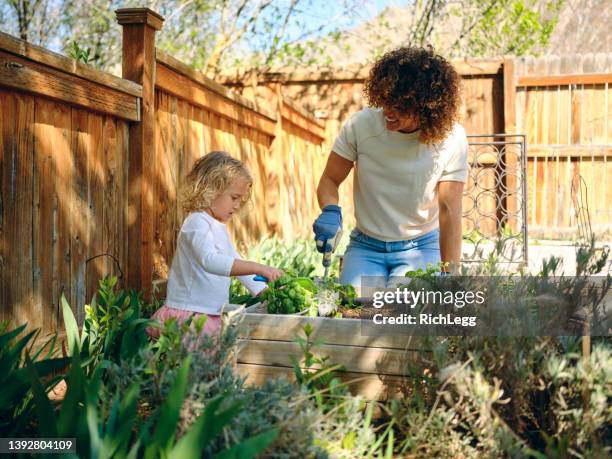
column 92, row 165
column 563, row 104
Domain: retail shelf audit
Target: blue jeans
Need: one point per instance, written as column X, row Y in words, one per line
column 367, row 256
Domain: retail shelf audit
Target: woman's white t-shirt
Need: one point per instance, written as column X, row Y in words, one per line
column 199, row 279
column 396, row 176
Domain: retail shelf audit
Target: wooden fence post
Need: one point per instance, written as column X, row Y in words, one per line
column 512, row 163
column 138, row 62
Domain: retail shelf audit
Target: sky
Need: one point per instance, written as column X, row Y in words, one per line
column 329, row 13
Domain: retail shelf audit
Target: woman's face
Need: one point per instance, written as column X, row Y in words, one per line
column 402, row 122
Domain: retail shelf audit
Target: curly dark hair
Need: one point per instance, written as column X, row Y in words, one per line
column 419, row 82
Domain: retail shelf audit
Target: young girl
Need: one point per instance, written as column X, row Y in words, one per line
column 217, row 187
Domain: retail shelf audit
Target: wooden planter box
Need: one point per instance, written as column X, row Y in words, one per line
column 374, row 365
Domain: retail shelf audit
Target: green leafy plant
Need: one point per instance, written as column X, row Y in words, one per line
column 315, row 373
column 80, row 54
column 16, row 409
column 289, row 295
column 113, row 327
column 117, row 437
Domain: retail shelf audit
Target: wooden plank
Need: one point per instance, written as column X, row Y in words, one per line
column 25, row 75
column 608, row 114
column 41, row 55
column 360, row 73
column 564, row 113
column 122, row 205
column 188, row 142
column 193, row 92
column 553, row 116
column 607, row 186
column 63, row 171
column 599, row 212
column 576, row 127
column 82, row 228
column 354, row 359
column 532, row 164
column 7, row 117
column 198, row 77
column 566, row 164
column 165, row 144
column 551, row 192
column 41, row 212
column 574, row 151
column 531, row 110
column 556, row 80
column 595, row 115
column 113, row 198
column 302, row 119
column 97, row 268
column 370, row 386
column 344, row 332
column 198, row 140
column 16, row 188
column 540, row 184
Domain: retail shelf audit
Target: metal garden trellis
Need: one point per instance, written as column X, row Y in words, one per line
column 495, row 198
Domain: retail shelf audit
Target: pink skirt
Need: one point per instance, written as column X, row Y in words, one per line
column 212, row 326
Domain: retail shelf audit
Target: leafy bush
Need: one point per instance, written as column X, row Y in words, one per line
column 16, row 408
column 511, row 396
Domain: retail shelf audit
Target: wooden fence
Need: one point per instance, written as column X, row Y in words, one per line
column 563, row 104
column 63, row 150
column 92, row 165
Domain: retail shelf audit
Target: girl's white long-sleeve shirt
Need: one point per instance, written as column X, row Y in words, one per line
column 199, row 279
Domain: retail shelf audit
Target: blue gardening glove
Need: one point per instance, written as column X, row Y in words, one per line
column 327, row 225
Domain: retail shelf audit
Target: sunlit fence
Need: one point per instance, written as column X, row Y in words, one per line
column 92, row 165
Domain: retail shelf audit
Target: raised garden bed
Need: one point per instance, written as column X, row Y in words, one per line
column 374, row 365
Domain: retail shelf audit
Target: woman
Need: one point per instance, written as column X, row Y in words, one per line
column 410, row 159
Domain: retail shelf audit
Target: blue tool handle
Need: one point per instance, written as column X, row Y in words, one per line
column 259, row 278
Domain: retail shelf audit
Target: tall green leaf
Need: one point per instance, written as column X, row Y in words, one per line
column 46, row 415
column 72, row 328
column 169, row 413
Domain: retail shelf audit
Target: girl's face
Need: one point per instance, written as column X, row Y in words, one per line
column 228, row 202
column 396, row 121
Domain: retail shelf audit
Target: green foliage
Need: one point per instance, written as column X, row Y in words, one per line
column 113, row 328
column 16, row 408
column 80, row 54
column 79, row 418
column 429, row 273
column 510, row 396
column 289, row 295
column 315, row 373
column 507, row 27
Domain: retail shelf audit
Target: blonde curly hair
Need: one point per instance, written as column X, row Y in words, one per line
column 210, row 176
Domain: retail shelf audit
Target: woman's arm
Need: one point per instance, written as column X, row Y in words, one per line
column 450, row 201
column 336, row 171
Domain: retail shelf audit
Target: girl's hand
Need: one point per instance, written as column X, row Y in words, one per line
column 270, row 273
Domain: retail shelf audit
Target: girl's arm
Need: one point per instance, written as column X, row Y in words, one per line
column 202, row 247
column 245, row 267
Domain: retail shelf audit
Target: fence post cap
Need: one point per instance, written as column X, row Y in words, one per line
column 139, row 16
